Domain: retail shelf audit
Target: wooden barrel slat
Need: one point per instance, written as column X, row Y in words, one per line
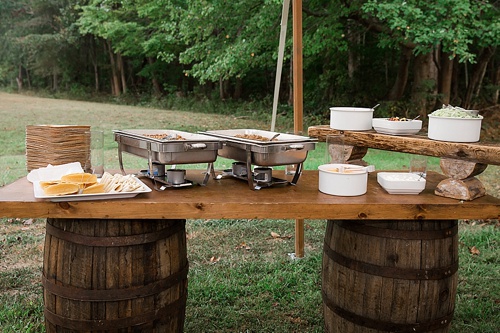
column 378, row 281
column 115, row 275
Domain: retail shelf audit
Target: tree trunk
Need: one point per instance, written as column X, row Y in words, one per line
column 424, row 83
column 455, row 82
column 115, row 75
column 154, row 81
column 93, row 59
column 19, row 78
column 28, row 78
column 399, row 86
column 121, row 70
column 353, row 57
column 223, row 88
column 55, row 82
column 445, row 78
column 496, row 83
column 474, row 85
column 238, row 89
column 96, row 77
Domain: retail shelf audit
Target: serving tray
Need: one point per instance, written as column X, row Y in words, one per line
column 40, row 194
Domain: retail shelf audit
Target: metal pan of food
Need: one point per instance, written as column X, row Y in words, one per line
column 256, row 147
column 168, row 146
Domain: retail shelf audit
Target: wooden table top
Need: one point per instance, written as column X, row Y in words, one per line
column 479, row 152
column 232, row 198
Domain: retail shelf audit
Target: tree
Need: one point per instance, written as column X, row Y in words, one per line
column 443, row 30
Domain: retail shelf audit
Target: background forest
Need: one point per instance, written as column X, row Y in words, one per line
column 411, row 55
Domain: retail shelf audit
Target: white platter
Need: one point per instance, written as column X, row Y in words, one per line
column 39, row 194
column 401, row 182
column 385, row 126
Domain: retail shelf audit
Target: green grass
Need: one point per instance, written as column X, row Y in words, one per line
column 478, row 297
column 253, row 282
column 241, row 279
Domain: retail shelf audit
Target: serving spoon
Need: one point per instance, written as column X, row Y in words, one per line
column 275, row 136
column 345, row 168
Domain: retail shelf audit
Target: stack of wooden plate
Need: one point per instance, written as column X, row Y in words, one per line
column 56, row 145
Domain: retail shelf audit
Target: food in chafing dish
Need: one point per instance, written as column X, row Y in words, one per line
column 85, row 183
column 255, row 137
column 165, row 136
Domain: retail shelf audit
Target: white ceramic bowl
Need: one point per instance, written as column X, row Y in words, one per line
column 401, row 182
column 454, row 129
column 386, row 126
column 351, row 119
column 333, row 182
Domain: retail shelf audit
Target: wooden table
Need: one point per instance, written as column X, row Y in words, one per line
column 232, row 199
column 92, row 241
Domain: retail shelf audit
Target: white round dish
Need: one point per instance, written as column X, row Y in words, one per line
column 454, row 129
column 351, row 118
column 348, row 183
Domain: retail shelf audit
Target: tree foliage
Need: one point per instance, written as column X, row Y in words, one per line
column 457, row 26
column 355, row 52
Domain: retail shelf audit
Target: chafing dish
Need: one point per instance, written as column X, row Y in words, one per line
column 254, row 147
column 167, row 147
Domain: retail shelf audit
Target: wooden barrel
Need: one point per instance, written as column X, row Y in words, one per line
column 115, row 275
column 389, row 276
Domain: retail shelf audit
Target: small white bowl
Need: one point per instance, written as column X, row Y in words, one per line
column 401, row 182
column 351, row 118
column 386, row 126
column 348, row 183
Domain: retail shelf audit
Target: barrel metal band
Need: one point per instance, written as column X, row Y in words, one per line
column 162, row 315
column 356, row 319
column 110, row 241
column 391, row 272
column 361, row 228
column 100, row 295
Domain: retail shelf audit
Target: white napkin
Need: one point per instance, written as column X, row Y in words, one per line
column 51, row 172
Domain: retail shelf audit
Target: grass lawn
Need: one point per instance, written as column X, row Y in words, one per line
column 241, row 277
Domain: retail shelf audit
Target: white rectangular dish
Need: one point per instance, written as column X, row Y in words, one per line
column 401, row 182
column 386, row 126
column 39, row 194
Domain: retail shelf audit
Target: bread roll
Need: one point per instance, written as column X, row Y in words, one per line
column 46, row 183
column 79, row 178
column 62, row 189
column 94, row 189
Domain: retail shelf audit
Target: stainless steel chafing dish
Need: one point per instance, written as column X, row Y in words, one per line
column 253, row 147
column 167, row 147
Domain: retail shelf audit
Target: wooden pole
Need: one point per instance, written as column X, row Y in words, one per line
column 298, row 104
column 298, row 98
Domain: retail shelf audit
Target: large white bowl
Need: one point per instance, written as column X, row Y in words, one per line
column 386, row 126
column 401, row 182
column 454, row 129
column 351, row 119
column 334, row 182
